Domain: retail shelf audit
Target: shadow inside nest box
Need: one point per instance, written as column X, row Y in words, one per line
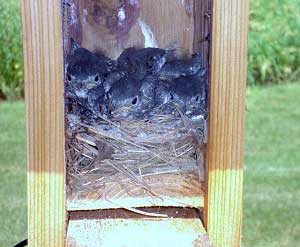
column 136, row 118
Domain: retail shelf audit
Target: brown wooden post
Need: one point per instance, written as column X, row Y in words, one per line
column 42, row 41
column 223, row 209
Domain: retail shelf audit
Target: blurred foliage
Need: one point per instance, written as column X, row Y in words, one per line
column 11, row 64
column 274, row 44
column 274, row 41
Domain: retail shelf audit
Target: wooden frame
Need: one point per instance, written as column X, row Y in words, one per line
column 42, row 36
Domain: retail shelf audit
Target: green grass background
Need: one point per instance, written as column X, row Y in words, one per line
column 274, row 54
column 13, row 201
column 272, row 169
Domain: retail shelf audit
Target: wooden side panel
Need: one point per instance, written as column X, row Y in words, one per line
column 42, row 41
column 202, row 32
column 226, row 129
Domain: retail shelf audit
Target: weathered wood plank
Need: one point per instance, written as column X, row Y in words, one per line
column 202, row 32
column 42, row 43
column 120, row 228
column 223, row 209
column 163, row 23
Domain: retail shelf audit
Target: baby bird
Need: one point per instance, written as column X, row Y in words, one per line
column 174, row 69
column 84, row 71
column 163, row 98
column 131, row 98
column 113, row 77
column 97, row 100
column 82, row 63
column 143, row 61
column 189, row 92
column 85, row 77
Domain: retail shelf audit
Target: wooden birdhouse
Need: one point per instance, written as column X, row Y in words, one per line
column 135, row 121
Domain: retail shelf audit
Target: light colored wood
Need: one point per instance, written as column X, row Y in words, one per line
column 42, row 41
column 170, row 190
column 223, row 209
column 170, row 21
column 133, row 230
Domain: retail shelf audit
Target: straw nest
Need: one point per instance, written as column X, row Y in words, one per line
column 109, row 149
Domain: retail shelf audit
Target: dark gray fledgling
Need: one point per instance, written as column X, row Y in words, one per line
column 142, row 61
column 162, row 92
column 163, row 98
column 113, row 77
column 83, row 72
column 89, row 108
column 79, row 107
column 156, row 97
column 108, row 65
column 131, row 97
column 147, row 99
column 174, row 69
column 84, row 65
column 189, row 92
column 97, row 100
column 84, row 87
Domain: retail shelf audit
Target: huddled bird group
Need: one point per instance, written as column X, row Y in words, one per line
column 138, row 85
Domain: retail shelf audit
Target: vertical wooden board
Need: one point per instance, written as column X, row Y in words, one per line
column 223, row 210
column 202, row 32
column 171, row 21
column 43, row 67
column 163, row 23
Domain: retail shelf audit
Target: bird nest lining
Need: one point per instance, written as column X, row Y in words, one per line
column 127, row 151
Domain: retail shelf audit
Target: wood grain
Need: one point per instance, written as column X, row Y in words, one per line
column 43, row 61
column 170, row 190
column 223, row 209
column 202, row 32
column 170, row 21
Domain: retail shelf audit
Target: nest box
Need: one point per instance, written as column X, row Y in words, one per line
column 170, row 177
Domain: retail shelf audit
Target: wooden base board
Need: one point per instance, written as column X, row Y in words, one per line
column 175, row 190
column 123, row 228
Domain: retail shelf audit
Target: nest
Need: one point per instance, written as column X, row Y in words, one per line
column 111, row 150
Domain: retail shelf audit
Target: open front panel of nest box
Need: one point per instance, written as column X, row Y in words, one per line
column 136, row 102
column 117, row 121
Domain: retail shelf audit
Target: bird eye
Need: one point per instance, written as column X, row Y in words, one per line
column 97, row 78
column 134, row 101
column 102, row 108
column 69, row 77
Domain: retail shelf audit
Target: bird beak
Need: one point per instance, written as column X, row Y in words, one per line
column 91, row 85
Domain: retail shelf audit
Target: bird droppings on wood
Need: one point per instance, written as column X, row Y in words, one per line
column 141, row 115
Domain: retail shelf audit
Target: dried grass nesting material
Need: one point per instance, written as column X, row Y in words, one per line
column 105, row 151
